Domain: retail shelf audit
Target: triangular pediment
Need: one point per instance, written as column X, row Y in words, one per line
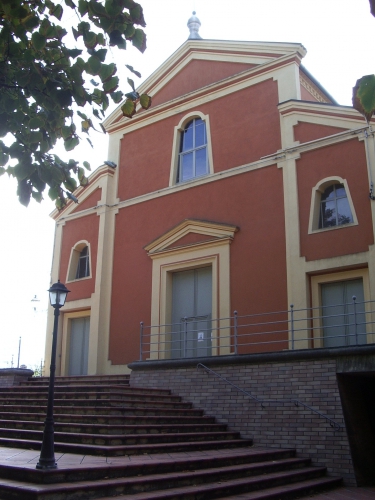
column 198, row 64
column 191, row 232
column 88, row 196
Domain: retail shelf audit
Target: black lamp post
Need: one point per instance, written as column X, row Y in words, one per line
column 57, row 296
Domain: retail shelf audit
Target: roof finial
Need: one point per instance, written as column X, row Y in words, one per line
column 194, row 25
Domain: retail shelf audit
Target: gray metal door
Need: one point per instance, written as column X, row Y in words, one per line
column 340, row 324
column 191, row 313
column 79, row 345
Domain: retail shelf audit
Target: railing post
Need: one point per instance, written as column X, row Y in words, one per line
column 185, row 336
column 141, row 341
column 292, row 324
column 355, row 320
column 235, row 332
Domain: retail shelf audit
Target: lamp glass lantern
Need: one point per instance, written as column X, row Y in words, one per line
column 57, row 294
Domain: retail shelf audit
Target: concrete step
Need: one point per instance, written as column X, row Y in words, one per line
column 118, row 439
column 120, row 450
column 63, row 389
column 203, row 484
column 113, row 400
column 94, row 428
column 111, row 420
column 236, row 456
column 81, row 379
column 115, row 409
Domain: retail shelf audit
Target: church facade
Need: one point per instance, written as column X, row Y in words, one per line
column 245, row 187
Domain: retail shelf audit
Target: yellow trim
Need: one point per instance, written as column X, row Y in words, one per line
column 317, row 281
column 73, row 261
column 65, row 341
column 214, row 253
column 316, row 194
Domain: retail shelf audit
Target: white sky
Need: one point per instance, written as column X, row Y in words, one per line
column 338, row 35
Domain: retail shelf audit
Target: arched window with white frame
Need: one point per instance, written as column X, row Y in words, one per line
column 331, row 205
column 193, row 157
column 192, row 151
column 79, row 264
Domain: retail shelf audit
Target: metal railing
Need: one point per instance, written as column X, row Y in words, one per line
column 335, row 425
column 336, row 325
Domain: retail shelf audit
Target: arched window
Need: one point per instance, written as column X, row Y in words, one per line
column 79, row 264
column 331, row 205
column 193, row 157
column 334, row 207
column 83, row 268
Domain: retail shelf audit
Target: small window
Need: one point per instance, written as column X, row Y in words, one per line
column 193, row 157
column 83, row 268
column 79, row 264
column 334, row 207
column 331, row 205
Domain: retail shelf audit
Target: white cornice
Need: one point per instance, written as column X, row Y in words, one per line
column 203, row 95
column 219, row 50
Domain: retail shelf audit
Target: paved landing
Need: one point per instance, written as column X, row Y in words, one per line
column 29, row 459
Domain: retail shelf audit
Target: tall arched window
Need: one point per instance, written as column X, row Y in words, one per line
column 83, row 267
column 79, row 264
column 334, row 207
column 193, row 157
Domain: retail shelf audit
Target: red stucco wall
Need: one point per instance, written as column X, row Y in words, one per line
column 86, row 228
column 305, row 132
column 195, row 75
column 347, row 160
column 252, row 201
column 249, row 117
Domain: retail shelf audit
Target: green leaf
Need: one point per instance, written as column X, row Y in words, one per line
column 39, row 41
column 117, row 96
column 84, row 181
column 128, row 108
column 24, row 192
column 93, row 65
column 364, row 96
column 70, row 184
column 37, row 196
column 2, row 171
column 113, row 8
column 60, row 203
column 35, row 123
column 83, row 7
column 71, row 143
column 4, row 158
column 53, row 192
column 145, row 101
column 131, row 83
column 130, row 68
column 86, row 125
column 74, row 53
column 139, row 40
column 111, row 85
column 90, row 40
column 57, row 12
column 66, row 132
column 106, row 71
column 86, row 165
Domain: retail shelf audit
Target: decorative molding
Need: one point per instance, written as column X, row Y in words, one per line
column 312, row 90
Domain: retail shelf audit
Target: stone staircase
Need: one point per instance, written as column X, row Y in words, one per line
column 104, row 416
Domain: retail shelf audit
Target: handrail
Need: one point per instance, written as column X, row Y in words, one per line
column 296, row 402
column 229, row 382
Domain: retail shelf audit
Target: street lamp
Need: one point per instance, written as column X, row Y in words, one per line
column 57, row 296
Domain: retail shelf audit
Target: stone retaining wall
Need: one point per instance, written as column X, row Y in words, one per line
column 311, row 379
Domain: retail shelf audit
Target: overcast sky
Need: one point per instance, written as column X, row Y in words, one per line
column 338, row 36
